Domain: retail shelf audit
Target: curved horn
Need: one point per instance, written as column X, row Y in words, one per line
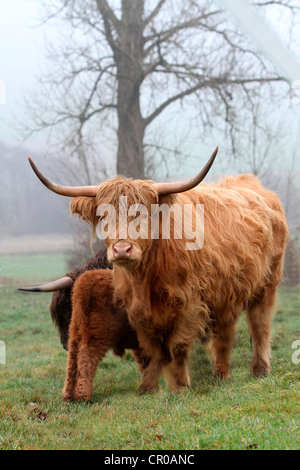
column 59, row 284
column 70, row 191
column 181, row 186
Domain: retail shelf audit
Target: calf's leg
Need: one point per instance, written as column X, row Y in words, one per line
column 90, row 353
column 91, row 336
column 70, row 382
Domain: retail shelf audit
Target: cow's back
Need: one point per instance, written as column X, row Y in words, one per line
column 246, row 183
column 245, row 234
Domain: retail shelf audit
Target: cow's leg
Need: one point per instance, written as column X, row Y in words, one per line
column 89, row 355
column 151, row 363
column 70, row 382
column 150, row 375
column 176, row 372
column 259, row 316
column 138, row 359
column 220, row 346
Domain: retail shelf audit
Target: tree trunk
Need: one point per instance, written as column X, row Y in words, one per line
column 129, row 60
column 130, row 147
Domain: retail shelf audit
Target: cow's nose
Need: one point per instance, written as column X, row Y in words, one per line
column 122, row 251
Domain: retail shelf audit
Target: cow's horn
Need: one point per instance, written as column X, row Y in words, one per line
column 58, row 284
column 71, row 191
column 181, row 186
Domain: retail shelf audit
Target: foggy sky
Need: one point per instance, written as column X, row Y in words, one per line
column 21, row 58
column 21, row 54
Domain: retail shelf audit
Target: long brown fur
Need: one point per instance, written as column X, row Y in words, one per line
column 174, row 296
column 61, row 303
column 96, row 327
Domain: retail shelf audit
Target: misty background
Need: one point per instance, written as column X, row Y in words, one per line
column 177, row 144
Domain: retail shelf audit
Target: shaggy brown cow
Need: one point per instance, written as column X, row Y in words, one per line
column 174, row 295
column 95, row 326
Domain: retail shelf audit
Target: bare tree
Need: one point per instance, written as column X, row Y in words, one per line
column 261, row 142
column 121, row 64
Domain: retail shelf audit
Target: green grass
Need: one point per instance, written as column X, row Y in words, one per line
column 36, row 268
column 240, row 413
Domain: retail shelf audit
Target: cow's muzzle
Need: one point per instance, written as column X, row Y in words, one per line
column 122, row 251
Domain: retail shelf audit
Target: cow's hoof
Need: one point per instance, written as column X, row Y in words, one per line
column 68, row 395
column 220, row 373
column 180, row 389
column 260, row 370
column 82, row 397
column 147, row 389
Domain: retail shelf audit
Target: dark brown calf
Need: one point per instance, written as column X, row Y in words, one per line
column 96, row 327
column 61, row 304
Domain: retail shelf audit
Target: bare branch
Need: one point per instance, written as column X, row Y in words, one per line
column 107, row 12
column 281, row 3
column 155, row 12
column 166, row 103
column 211, row 83
column 191, row 23
column 108, row 18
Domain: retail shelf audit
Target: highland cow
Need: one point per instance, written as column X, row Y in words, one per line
column 173, row 295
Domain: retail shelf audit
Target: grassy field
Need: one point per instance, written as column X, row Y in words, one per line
column 241, row 413
column 36, row 268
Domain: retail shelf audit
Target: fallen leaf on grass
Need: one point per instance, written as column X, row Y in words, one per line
column 42, row 416
column 251, row 446
column 196, row 412
column 159, row 436
column 153, row 423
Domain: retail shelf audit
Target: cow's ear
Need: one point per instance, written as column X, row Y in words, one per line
column 86, row 208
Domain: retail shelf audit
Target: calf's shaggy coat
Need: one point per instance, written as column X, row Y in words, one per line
column 96, row 326
column 61, row 303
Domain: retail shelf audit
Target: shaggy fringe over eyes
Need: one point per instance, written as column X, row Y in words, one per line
column 109, row 192
column 86, row 208
column 136, row 191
